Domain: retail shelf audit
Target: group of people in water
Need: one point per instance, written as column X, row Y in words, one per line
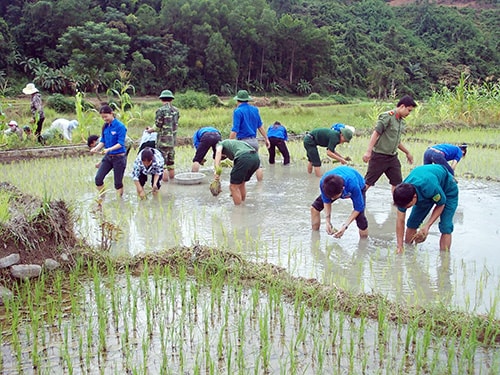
column 431, row 186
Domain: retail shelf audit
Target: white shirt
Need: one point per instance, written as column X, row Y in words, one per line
column 65, row 127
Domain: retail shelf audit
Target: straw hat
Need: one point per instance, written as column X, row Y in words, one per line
column 30, row 89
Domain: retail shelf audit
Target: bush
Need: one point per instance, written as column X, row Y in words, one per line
column 192, row 99
column 314, row 96
column 61, row 104
column 340, row 99
column 215, row 101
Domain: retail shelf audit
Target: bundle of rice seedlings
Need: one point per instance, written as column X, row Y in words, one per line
column 215, row 186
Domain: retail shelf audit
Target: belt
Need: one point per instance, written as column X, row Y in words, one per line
column 116, row 155
column 311, row 136
column 436, row 150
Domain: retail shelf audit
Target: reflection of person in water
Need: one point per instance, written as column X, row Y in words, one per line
column 426, row 187
column 341, row 182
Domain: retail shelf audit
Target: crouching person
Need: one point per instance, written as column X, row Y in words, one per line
column 148, row 162
column 341, row 182
column 426, row 187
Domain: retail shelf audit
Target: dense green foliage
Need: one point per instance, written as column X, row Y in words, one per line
column 353, row 48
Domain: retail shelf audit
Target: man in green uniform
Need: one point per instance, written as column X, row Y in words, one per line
column 166, row 123
column 324, row 137
column 245, row 162
column 425, row 187
column 382, row 154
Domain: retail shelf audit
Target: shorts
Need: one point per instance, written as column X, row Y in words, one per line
column 244, row 167
column 383, row 164
column 420, row 211
column 312, row 150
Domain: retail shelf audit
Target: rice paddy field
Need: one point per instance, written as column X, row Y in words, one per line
column 188, row 283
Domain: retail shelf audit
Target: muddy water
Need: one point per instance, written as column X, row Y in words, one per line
column 274, row 226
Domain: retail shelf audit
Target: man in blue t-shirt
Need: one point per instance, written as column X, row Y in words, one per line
column 246, row 122
column 426, row 187
column 341, row 182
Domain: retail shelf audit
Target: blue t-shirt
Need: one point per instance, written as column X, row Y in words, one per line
column 246, row 121
column 113, row 133
column 197, row 135
column 451, row 152
column 277, row 131
column 354, row 184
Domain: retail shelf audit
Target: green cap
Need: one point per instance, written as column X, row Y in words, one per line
column 166, row 94
column 347, row 133
column 243, row 96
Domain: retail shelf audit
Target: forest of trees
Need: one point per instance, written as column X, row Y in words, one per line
column 347, row 47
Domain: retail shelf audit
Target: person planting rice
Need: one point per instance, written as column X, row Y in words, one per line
column 342, row 182
column 278, row 137
column 245, row 162
column 204, row 139
column 325, row 137
column 14, row 129
column 149, row 161
column 443, row 153
column 426, row 187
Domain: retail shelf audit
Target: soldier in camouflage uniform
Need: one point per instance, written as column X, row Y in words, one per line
column 166, row 122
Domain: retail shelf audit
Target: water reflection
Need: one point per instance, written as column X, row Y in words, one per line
column 274, row 226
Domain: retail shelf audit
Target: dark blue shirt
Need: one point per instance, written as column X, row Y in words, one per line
column 113, row 133
column 451, row 152
column 197, row 135
column 277, row 131
column 354, row 184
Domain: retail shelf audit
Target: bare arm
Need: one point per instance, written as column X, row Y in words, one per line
column 400, row 228
column 409, row 156
column 354, row 214
column 328, row 217
column 232, row 135
column 264, row 134
column 336, row 156
column 373, row 140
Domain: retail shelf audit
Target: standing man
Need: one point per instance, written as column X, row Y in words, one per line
column 382, row 154
column 149, row 161
column 245, row 162
column 112, row 146
column 325, row 137
column 341, row 182
column 166, row 123
column 426, row 187
column 36, row 109
column 204, row 139
column 443, row 153
column 246, row 122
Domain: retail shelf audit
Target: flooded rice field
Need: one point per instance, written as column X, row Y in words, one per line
column 156, row 322
column 273, row 225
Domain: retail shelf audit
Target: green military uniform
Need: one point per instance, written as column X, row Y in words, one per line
column 323, row 137
column 246, row 159
column 390, row 127
column 166, row 123
column 384, row 157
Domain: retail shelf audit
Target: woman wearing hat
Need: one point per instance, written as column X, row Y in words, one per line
column 14, row 129
column 36, row 108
